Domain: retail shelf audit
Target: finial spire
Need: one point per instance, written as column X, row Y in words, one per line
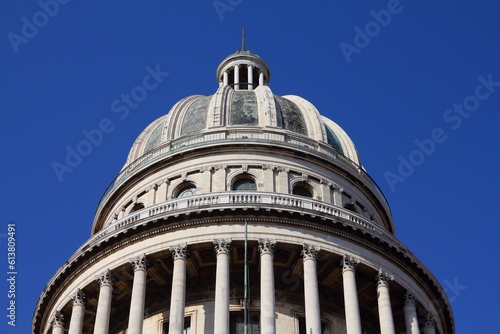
column 242, row 38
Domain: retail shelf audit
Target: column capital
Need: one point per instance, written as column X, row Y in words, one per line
column 410, row 299
column 78, row 298
column 57, row 320
column 429, row 321
column 266, row 246
column 384, row 279
column 222, row 246
column 139, row 263
column 349, row 263
column 310, row 252
column 106, row 278
column 179, row 251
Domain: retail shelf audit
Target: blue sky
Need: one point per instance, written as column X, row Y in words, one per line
column 416, row 84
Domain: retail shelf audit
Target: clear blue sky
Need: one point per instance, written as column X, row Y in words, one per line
column 392, row 91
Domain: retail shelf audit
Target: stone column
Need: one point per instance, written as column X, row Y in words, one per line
column 351, row 303
column 430, row 324
column 221, row 310
column 411, row 319
column 178, row 295
column 250, row 77
column 311, row 293
column 77, row 313
column 283, row 184
column 57, row 323
column 261, row 79
column 269, row 178
column 236, row 77
column 384, row 303
column 337, row 195
column 225, row 78
column 101, row 325
column 326, row 191
column 136, row 316
column 267, row 293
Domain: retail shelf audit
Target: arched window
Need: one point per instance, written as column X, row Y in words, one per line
column 302, row 190
column 137, row 207
column 350, row 207
column 187, row 190
column 245, row 184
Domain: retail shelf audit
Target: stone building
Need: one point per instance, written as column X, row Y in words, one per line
column 243, row 209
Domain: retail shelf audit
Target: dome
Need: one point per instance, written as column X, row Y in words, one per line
column 243, row 186
column 244, row 102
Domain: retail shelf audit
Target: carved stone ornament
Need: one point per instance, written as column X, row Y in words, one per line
column 57, row 320
column 384, row 278
column 139, row 262
column 222, row 246
column 266, row 246
column 179, row 251
column 78, row 298
column 106, row 278
column 410, row 299
column 349, row 263
column 430, row 322
column 310, row 252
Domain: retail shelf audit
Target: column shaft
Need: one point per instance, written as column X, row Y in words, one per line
column 267, row 293
column 411, row 319
column 77, row 313
column 351, row 303
column 178, row 295
column 250, row 77
column 76, row 322
column 236, row 77
column 384, row 304
column 136, row 315
column 311, row 293
column 221, row 309
column 101, row 325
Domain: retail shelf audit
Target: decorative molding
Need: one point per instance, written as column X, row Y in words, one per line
column 78, row 298
column 222, row 246
column 349, row 263
column 244, row 168
column 267, row 246
column 139, row 262
column 383, row 278
column 106, row 278
column 179, row 251
column 57, row 320
column 310, row 252
column 266, row 167
column 304, row 177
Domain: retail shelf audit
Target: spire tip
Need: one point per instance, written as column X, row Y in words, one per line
column 242, row 38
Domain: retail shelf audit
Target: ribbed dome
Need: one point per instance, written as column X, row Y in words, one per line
column 243, row 104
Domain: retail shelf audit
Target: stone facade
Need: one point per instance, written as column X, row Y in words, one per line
column 243, row 208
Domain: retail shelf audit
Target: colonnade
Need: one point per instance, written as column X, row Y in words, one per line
column 222, row 248
column 237, row 82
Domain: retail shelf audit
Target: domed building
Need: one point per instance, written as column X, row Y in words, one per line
column 243, row 212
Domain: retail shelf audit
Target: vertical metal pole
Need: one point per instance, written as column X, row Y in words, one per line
column 245, row 302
